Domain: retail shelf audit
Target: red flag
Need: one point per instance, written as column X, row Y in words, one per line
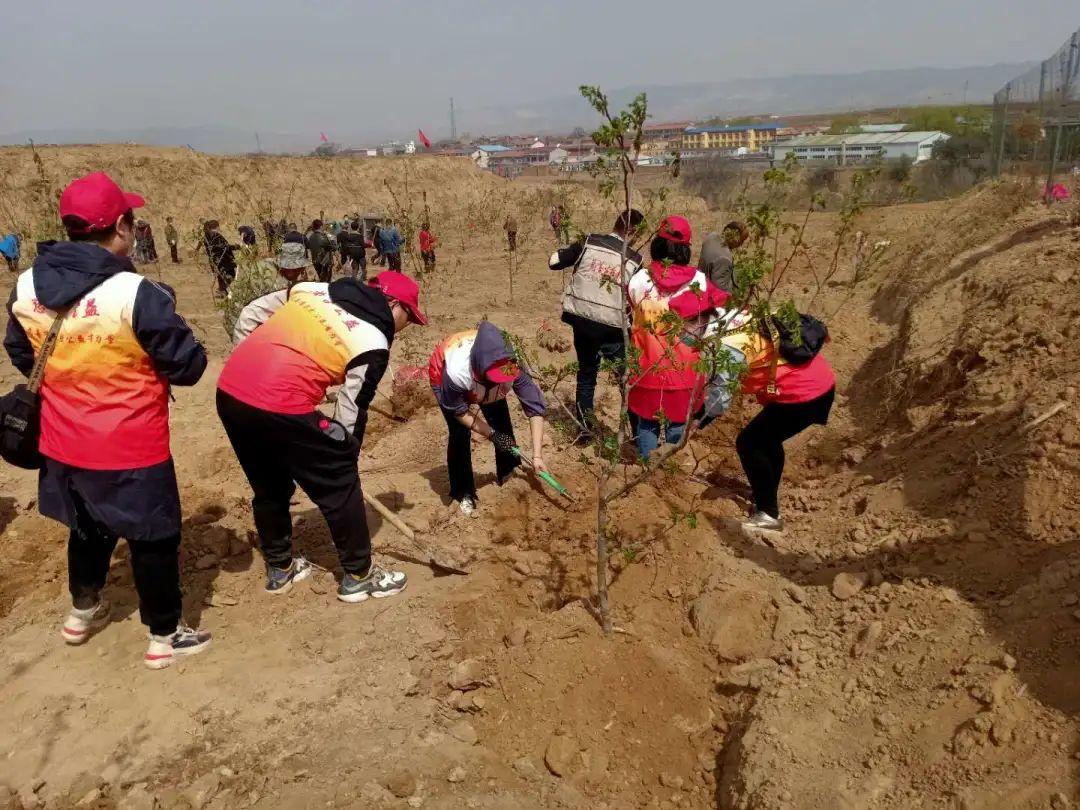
column 424, row 139
column 323, row 138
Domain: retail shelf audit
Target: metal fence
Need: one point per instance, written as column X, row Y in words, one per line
column 1037, row 116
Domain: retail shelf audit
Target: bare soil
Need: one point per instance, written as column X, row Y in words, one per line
column 912, row 641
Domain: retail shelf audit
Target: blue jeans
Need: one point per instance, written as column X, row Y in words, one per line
column 647, row 434
column 718, row 391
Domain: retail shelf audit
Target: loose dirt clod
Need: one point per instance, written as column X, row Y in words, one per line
column 401, row 783
column 561, row 754
column 845, row 585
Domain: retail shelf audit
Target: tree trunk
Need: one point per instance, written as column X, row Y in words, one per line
column 602, row 558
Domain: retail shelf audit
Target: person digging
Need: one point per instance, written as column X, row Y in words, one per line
column 268, row 397
column 477, row 368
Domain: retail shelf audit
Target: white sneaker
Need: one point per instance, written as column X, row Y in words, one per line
column 468, row 506
column 762, row 522
column 164, row 650
column 82, row 623
column 280, row 581
column 379, row 583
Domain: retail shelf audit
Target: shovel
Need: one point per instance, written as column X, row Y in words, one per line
column 426, row 554
column 545, row 476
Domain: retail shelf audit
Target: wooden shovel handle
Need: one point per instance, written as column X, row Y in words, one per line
column 393, row 519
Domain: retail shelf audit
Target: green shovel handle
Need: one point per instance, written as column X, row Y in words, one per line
column 546, row 477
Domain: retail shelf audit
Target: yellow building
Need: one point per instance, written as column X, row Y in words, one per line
column 751, row 137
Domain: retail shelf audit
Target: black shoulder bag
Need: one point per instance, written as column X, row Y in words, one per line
column 20, row 410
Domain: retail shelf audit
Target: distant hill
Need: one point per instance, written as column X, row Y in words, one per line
column 786, row 95
column 221, row 140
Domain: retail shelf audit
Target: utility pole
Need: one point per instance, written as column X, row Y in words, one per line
column 258, row 145
column 453, row 121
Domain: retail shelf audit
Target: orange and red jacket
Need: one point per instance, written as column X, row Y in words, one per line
column 105, row 393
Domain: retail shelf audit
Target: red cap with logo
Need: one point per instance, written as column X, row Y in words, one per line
column 402, row 289
column 98, row 200
column 675, row 229
column 502, row 371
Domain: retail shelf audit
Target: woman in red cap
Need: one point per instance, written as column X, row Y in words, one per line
column 667, row 389
column 268, row 395
column 108, row 469
column 477, row 368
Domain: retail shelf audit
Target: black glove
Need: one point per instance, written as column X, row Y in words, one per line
column 504, row 442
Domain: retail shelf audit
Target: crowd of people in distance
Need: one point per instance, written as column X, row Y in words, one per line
column 111, row 344
column 337, row 246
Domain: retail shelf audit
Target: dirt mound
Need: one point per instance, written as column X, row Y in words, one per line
column 945, row 653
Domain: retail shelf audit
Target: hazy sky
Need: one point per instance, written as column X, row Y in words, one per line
column 358, row 67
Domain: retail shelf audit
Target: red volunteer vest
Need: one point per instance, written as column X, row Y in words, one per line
column 103, row 406
column 286, row 365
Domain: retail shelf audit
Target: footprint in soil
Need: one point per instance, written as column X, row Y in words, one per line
column 207, row 513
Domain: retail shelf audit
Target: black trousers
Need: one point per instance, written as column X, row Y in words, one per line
column 356, row 263
column 277, row 452
column 459, row 450
column 324, row 268
column 154, row 563
column 593, row 342
column 760, row 444
column 173, row 253
column 394, row 261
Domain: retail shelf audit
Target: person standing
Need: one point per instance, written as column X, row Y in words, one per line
column 377, row 257
column 555, row 221
column 595, row 305
column 477, row 368
column 172, row 238
column 717, row 258
column 794, row 397
column 511, row 228
column 145, row 249
column 108, row 471
column 353, row 251
column 268, row 397
column 321, row 248
column 667, row 387
column 427, row 247
column 221, row 255
column 9, row 247
column 390, row 242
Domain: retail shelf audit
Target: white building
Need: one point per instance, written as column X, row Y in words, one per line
column 398, row 148
column 859, row 148
column 481, row 154
column 880, row 128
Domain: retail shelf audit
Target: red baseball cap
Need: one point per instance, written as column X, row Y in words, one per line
column 502, row 371
column 97, row 199
column 675, row 229
column 403, row 290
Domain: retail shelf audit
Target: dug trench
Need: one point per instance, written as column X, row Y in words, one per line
column 911, row 641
